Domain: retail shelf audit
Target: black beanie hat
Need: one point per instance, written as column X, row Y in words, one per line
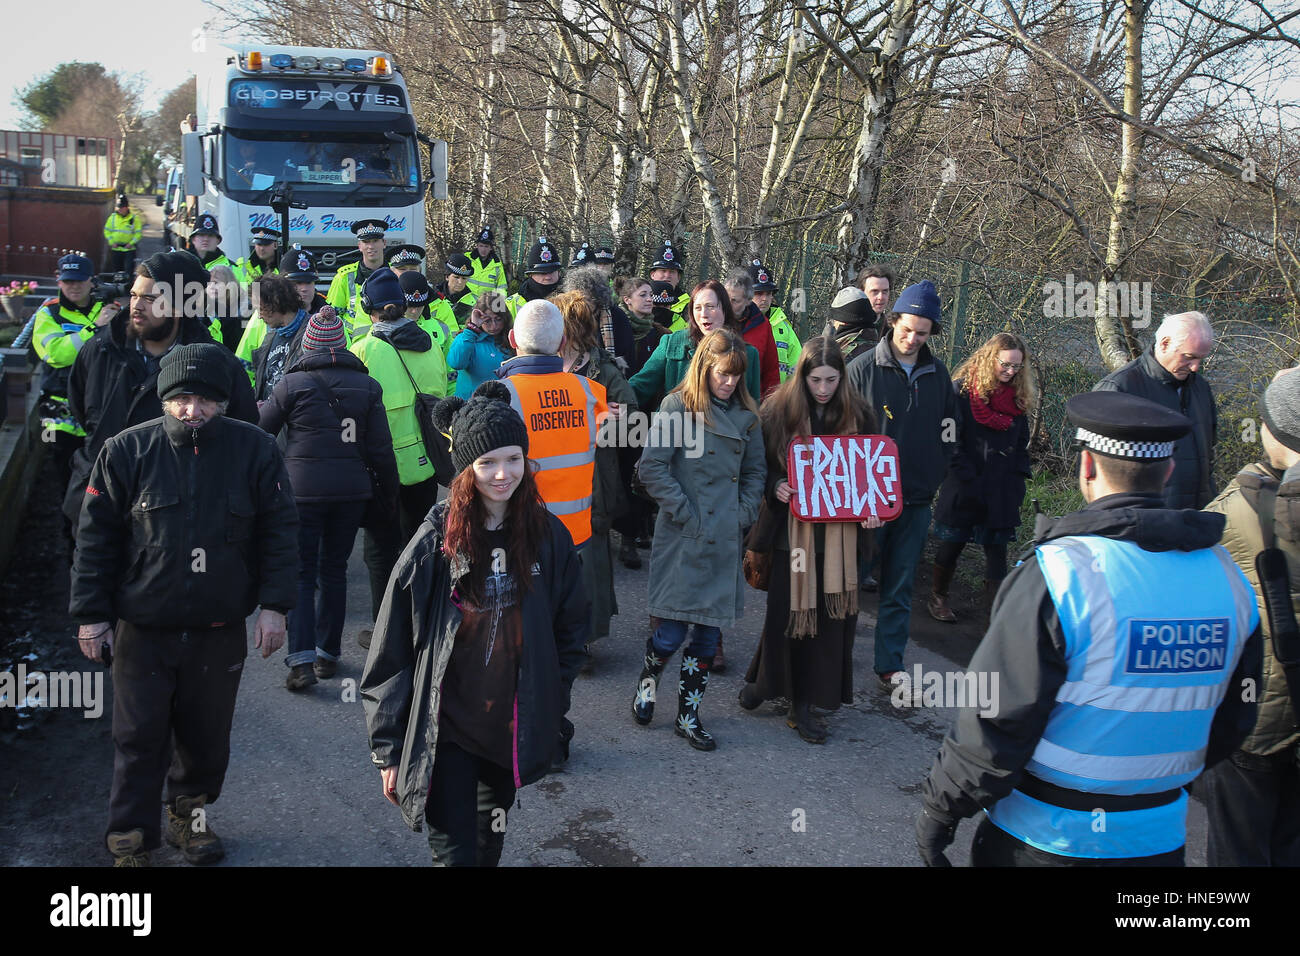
column 483, row 424
column 177, row 268
column 197, row 369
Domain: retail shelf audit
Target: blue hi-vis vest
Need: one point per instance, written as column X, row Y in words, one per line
column 1151, row 641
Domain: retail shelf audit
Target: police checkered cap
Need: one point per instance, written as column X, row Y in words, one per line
column 1121, row 425
column 1117, row 448
column 369, row 228
column 266, row 234
column 404, row 254
column 415, row 287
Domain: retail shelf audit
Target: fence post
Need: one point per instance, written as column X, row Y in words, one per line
column 960, row 304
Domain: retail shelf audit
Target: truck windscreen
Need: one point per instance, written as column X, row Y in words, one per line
column 336, row 164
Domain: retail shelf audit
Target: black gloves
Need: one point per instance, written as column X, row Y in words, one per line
column 933, row 836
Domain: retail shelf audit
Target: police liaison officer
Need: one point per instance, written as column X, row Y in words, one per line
column 1123, row 644
column 345, row 291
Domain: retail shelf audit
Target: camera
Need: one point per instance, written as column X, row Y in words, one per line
column 109, row 286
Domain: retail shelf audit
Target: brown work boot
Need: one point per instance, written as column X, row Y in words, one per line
column 128, row 848
column 937, row 605
column 719, row 660
column 188, row 831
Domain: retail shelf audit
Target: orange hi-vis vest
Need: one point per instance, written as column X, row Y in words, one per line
column 561, row 411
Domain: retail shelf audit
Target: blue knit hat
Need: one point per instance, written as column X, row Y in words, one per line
column 921, row 299
column 381, row 289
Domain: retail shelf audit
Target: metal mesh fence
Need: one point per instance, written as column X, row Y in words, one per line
column 1050, row 311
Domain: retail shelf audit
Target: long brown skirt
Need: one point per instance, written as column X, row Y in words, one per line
column 818, row 669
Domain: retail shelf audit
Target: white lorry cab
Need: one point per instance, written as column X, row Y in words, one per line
column 328, row 134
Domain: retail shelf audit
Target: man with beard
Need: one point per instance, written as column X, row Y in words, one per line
column 345, row 290
column 542, row 276
column 205, row 243
column 112, row 384
column 203, row 507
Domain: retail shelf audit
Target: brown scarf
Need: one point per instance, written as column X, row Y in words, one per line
column 839, row 566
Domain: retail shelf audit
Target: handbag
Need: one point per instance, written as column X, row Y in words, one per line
column 380, row 510
column 757, row 563
column 436, row 445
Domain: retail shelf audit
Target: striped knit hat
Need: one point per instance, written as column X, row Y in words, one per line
column 324, row 331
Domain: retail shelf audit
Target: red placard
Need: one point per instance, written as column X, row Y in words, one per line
column 844, row 477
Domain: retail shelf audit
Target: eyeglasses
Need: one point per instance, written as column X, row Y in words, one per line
column 1008, row 367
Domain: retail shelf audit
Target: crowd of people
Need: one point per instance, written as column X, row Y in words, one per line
column 284, row 434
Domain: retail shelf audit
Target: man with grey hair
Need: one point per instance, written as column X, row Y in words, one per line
column 754, row 328
column 1169, row 373
column 561, row 411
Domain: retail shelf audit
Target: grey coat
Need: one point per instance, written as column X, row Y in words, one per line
column 705, row 503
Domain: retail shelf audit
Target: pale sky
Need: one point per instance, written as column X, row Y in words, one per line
column 149, row 37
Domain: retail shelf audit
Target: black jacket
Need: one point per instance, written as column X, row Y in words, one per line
column 983, row 758
column 986, row 477
column 326, row 459
column 185, row 528
column 412, row 644
column 111, row 389
column 920, row 416
column 1192, row 483
column 270, row 342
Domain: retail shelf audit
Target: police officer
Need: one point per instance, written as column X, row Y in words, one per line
column 604, row 257
column 1123, row 648
column 404, row 258
column 455, row 287
column 263, row 251
column 122, row 230
column 425, row 309
column 205, row 243
column 787, row 342
column 542, row 276
column 584, row 256
column 489, row 273
column 345, row 291
column 666, row 288
column 59, row 329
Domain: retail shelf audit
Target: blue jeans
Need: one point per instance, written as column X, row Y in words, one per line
column 670, row 635
column 899, row 544
column 326, row 531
